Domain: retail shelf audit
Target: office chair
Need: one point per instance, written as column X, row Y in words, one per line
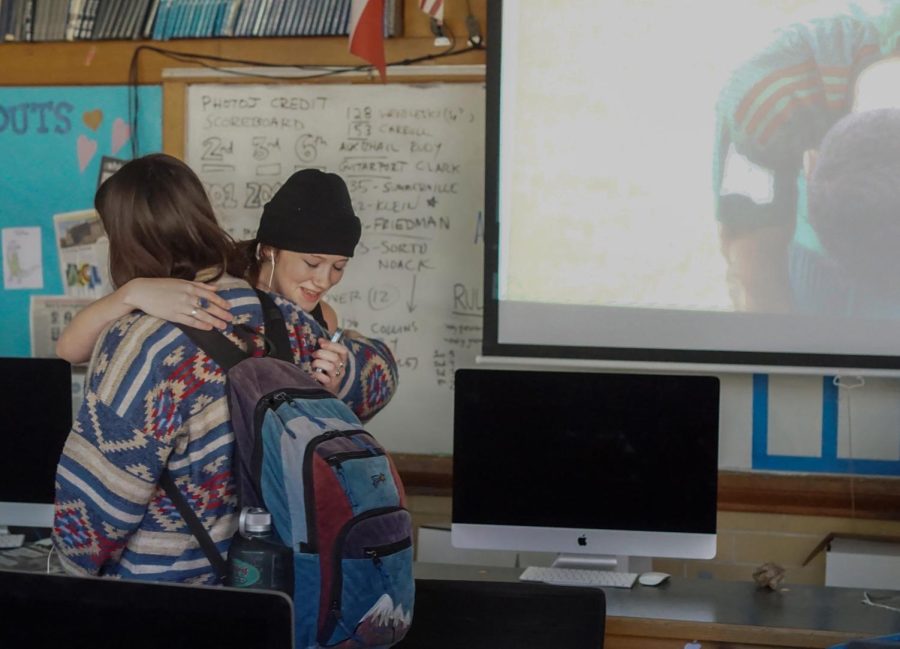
column 452, row 614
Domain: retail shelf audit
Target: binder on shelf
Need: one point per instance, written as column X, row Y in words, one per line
column 26, row 26
column 71, row 20
column 150, row 20
column 115, row 27
column 229, row 21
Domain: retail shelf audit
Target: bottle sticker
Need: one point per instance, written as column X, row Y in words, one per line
column 244, row 574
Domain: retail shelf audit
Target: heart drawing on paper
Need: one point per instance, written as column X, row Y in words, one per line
column 92, row 118
column 120, row 134
column 86, row 148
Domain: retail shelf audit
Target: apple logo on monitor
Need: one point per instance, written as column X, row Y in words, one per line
column 582, row 540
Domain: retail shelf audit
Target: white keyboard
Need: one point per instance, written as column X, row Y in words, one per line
column 579, row 577
column 8, row 541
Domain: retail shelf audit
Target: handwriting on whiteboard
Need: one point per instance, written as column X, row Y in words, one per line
column 413, row 160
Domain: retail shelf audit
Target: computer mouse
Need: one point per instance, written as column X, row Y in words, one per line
column 652, row 578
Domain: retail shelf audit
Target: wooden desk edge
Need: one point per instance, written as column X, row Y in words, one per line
column 627, row 632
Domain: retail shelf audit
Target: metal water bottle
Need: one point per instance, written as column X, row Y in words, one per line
column 256, row 559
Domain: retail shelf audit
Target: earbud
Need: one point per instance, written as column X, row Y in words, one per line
column 272, row 271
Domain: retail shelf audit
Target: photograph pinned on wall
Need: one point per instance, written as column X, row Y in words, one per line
column 83, row 253
column 108, row 166
column 22, row 264
column 48, row 316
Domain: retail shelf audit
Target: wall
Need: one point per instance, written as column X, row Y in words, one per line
column 814, row 424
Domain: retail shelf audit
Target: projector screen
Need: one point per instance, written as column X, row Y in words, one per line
column 694, row 183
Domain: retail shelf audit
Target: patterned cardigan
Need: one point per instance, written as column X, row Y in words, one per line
column 154, row 400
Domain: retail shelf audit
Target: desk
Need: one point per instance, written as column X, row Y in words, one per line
column 31, row 558
column 715, row 614
column 718, row 614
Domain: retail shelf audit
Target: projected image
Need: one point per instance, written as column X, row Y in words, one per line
column 706, row 156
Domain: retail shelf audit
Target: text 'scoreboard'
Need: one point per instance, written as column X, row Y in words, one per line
column 413, row 159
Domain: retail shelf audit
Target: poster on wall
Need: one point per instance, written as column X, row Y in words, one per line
column 55, row 140
column 83, row 251
column 49, row 315
column 22, row 258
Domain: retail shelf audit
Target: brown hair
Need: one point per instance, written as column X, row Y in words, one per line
column 159, row 222
column 243, row 261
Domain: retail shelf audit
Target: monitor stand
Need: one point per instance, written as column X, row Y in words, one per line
column 622, row 563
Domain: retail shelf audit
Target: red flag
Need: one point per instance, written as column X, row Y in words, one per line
column 434, row 8
column 367, row 32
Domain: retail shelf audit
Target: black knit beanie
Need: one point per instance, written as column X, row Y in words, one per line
column 312, row 213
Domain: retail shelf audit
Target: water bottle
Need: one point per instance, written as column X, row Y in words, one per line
column 256, row 559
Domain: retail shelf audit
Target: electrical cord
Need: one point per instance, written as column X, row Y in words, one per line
column 205, row 59
column 871, row 601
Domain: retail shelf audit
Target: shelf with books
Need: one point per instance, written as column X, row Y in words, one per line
column 85, row 61
column 163, row 20
column 107, row 62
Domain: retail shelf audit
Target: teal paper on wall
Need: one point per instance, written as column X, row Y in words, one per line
column 53, row 142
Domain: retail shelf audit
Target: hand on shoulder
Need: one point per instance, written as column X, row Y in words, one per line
column 195, row 304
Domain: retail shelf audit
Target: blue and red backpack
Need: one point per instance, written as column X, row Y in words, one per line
column 332, row 490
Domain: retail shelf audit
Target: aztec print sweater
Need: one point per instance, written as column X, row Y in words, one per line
column 153, row 399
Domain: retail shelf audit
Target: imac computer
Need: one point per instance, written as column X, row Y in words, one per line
column 36, row 402
column 597, row 467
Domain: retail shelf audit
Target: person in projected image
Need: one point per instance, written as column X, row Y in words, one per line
column 854, row 207
column 772, row 115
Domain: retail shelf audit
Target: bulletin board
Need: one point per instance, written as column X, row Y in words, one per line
column 55, row 141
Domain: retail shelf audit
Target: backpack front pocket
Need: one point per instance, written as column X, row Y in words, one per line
column 372, row 594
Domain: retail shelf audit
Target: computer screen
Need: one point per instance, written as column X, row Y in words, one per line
column 585, row 462
column 42, row 610
column 36, row 402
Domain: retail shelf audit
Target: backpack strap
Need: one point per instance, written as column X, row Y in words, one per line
column 206, row 543
column 276, row 328
column 216, row 345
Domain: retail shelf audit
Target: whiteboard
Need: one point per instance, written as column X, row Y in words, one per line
column 413, row 159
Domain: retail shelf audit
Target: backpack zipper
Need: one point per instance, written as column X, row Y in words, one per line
column 339, row 458
column 312, row 532
column 271, row 401
column 375, row 553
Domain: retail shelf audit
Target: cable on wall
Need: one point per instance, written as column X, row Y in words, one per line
column 213, row 62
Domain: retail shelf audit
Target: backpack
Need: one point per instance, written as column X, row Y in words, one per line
column 332, row 490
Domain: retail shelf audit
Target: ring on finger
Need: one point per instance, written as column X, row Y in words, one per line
column 193, row 313
column 202, row 302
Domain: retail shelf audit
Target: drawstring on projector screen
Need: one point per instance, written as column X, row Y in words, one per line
column 847, row 384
